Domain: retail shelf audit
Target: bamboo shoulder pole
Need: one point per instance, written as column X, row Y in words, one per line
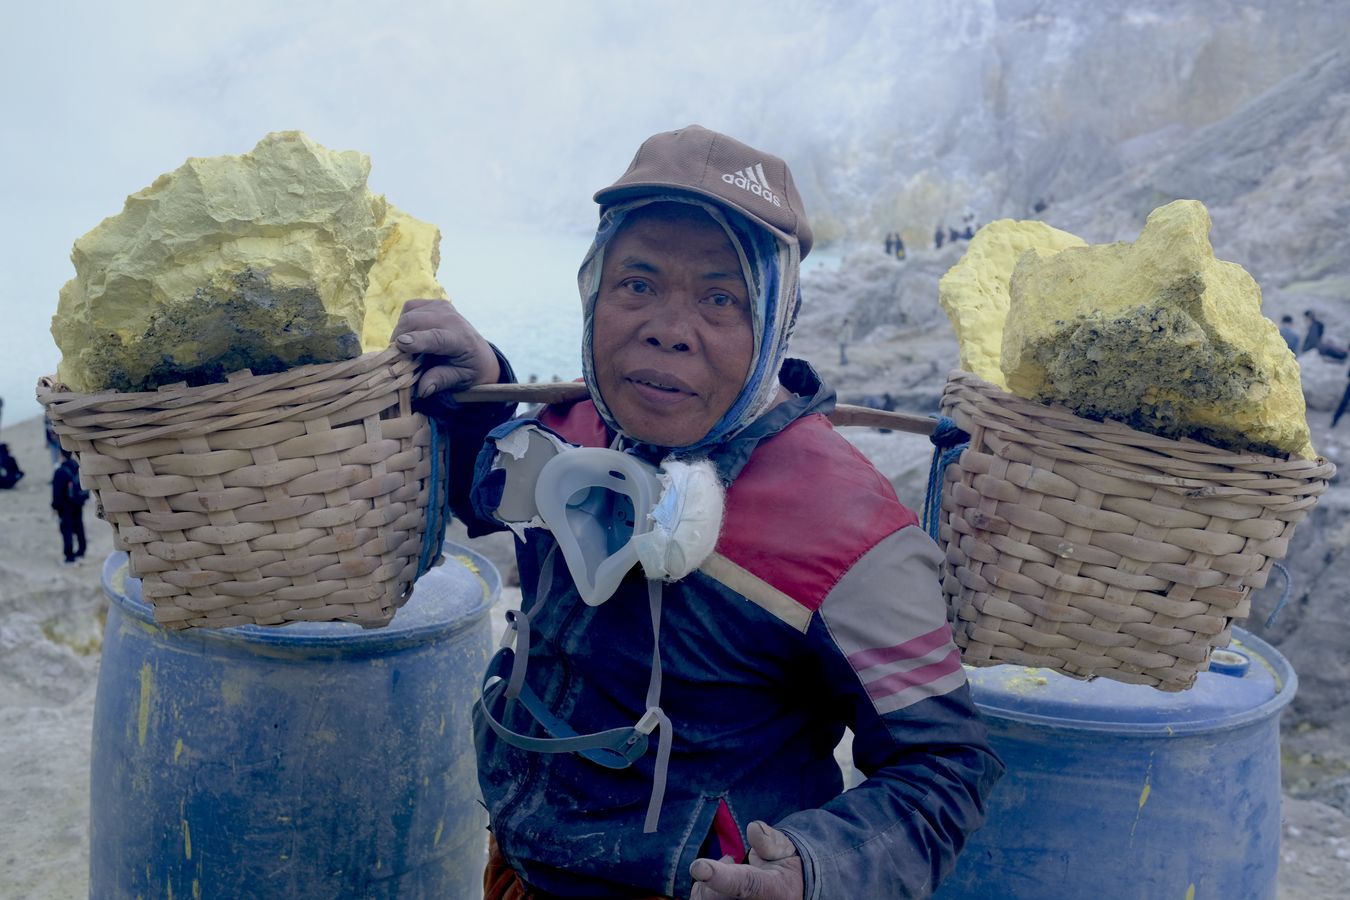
column 566, row 391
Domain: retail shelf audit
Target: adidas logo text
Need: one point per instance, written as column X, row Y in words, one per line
column 752, row 179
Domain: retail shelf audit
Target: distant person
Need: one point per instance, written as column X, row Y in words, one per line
column 1039, row 207
column 886, row 402
column 968, row 233
column 899, row 248
column 938, row 237
column 53, row 441
column 10, row 473
column 890, row 243
column 68, row 500
column 953, row 235
column 1313, row 336
column 1288, row 333
column 875, row 401
column 845, row 335
column 1345, row 402
column 1332, row 351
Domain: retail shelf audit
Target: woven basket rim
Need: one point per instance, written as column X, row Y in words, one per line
column 1174, row 449
column 50, row 391
column 311, row 391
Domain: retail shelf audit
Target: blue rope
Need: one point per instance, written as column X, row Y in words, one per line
column 438, row 503
column 948, row 443
column 1284, row 598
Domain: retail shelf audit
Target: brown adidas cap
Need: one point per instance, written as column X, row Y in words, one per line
column 693, row 159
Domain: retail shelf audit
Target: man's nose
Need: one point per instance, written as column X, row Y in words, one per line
column 671, row 325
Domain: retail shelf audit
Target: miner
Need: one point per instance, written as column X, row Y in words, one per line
column 671, row 734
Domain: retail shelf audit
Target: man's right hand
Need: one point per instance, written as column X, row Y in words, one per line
column 458, row 356
column 773, row 870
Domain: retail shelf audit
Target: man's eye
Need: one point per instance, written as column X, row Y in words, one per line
column 638, row 286
column 722, row 300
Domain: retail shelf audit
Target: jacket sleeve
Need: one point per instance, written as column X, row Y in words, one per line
column 888, row 658
column 466, row 425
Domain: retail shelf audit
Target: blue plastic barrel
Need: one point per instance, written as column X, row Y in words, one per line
column 310, row 760
column 1121, row 791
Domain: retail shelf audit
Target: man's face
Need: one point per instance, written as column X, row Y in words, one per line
column 672, row 334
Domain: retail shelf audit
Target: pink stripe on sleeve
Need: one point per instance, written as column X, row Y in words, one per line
column 911, row 649
column 894, row 684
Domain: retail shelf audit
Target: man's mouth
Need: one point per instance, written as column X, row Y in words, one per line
column 660, row 387
column 661, row 382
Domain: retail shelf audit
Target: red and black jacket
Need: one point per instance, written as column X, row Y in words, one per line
column 819, row 610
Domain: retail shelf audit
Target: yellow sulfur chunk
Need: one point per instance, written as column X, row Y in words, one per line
column 410, row 253
column 274, row 258
column 974, row 292
column 1159, row 335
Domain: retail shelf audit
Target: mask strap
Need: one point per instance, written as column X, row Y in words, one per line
column 517, row 633
column 545, row 579
column 616, row 748
column 654, row 710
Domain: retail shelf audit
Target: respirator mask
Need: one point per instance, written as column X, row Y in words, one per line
column 608, row 510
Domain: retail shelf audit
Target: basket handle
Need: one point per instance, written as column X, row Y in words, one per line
column 568, row 391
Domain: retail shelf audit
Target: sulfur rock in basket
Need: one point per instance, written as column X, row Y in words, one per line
column 275, row 258
column 1074, row 541
column 312, row 494
column 975, row 295
column 1157, row 334
column 277, row 474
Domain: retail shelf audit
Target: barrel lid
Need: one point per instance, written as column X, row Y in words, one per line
column 459, row 590
column 1248, row 680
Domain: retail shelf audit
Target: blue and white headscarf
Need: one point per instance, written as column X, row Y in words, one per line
column 770, row 267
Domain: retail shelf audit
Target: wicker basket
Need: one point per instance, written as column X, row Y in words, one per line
column 1093, row 549
column 298, row 496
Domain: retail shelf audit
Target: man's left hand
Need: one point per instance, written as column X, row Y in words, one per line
column 772, row 872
